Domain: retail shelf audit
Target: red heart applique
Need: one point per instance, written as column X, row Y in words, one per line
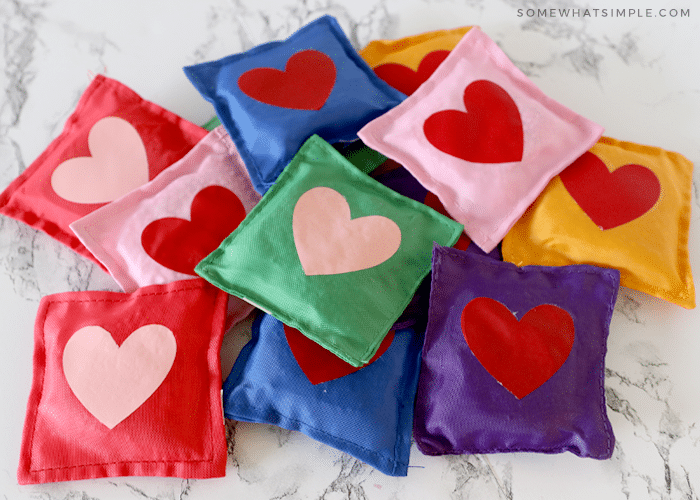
column 404, row 79
column 520, row 355
column 179, row 244
column 306, row 82
column 318, row 363
column 491, row 131
column 610, row 199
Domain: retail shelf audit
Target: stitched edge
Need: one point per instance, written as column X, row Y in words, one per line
column 614, row 283
column 424, row 174
column 22, row 212
column 48, row 303
column 611, row 279
column 126, row 296
column 259, row 414
column 225, row 113
column 34, row 471
column 214, row 259
column 684, row 297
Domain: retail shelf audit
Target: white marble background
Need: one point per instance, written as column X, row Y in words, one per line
column 637, row 76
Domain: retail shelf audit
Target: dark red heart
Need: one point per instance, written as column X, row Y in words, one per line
column 404, row 79
column 306, row 82
column 520, row 355
column 321, row 365
column 611, row 199
column 434, row 202
column 385, row 167
column 180, row 244
column 491, row 131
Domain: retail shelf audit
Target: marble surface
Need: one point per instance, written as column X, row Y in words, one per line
column 637, row 75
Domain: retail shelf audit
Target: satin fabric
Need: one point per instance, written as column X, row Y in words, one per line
column 268, row 136
column 178, row 431
column 461, row 408
column 650, row 251
column 165, row 136
column 367, row 414
column 114, row 233
column 348, row 313
column 490, row 191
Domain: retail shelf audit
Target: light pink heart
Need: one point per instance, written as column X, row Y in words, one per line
column 113, row 381
column 328, row 241
column 118, row 165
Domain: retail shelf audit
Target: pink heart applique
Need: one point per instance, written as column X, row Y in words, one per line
column 118, row 165
column 112, row 381
column 328, row 241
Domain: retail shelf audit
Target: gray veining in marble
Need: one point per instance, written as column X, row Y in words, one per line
column 628, row 306
column 620, row 72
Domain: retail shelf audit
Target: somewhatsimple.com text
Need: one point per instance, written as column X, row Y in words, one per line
column 632, row 13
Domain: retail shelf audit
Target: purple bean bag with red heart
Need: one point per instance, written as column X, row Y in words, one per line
column 514, row 358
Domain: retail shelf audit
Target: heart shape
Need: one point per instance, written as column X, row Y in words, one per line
column 180, row 244
column 611, row 199
column 491, row 131
column 404, row 79
column 118, row 164
column 328, row 241
column 306, row 82
column 321, row 365
column 520, row 355
column 112, row 381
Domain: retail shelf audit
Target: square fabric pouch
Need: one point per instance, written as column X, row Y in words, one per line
column 529, row 347
column 276, row 95
column 126, row 385
column 331, row 252
column 407, row 62
column 482, row 137
column 114, row 142
column 621, row 205
column 283, row 378
column 160, row 231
